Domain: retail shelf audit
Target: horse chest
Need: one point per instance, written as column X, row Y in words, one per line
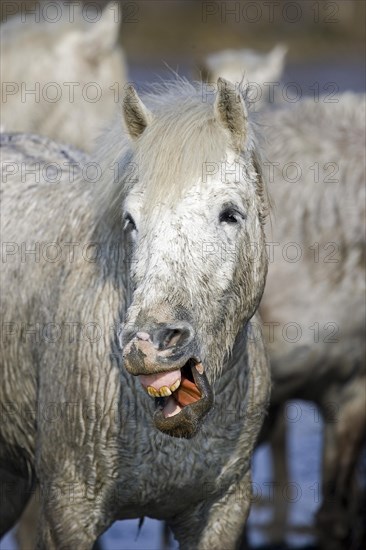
column 163, row 477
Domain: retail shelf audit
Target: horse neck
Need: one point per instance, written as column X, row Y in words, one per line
column 237, row 362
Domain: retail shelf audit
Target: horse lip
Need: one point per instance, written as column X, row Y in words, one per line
column 134, row 362
column 187, row 422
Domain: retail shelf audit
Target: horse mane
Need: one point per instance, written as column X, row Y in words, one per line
column 171, row 153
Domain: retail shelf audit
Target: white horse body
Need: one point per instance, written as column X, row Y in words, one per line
column 313, row 305
column 187, row 306
column 68, row 84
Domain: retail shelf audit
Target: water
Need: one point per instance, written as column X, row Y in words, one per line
column 333, row 77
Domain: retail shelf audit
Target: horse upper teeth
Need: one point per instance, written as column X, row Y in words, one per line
column 199, row 368
column 175, row 386
column 152, row 391
column 164, row 391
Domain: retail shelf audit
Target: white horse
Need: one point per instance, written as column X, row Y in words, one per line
column 313, row 306
column 158, row 290
column 62, row 79
column 262, row 72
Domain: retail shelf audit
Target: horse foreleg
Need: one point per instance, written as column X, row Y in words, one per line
column 215, row 525
column 68, row 518
column 345, row 428
column 26, row 533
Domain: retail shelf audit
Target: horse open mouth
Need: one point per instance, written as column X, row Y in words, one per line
column 182, row 397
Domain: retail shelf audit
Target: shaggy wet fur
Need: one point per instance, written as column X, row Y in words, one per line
column 75, row 421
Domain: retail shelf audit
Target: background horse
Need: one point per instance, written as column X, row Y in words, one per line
column 65, row 85
column 313, row 307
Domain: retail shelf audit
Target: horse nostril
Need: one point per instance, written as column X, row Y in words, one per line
column 173, row 336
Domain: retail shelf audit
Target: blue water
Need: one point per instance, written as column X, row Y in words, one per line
column 331, row 77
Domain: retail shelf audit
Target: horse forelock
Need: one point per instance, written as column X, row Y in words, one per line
column 173, row 152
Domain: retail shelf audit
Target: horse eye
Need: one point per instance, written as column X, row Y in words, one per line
column 230, row 215
column 129, row 223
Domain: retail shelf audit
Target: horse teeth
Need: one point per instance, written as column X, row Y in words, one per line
column 165, row 391
column 152, row 391
column 175, row 386
column 199, row 368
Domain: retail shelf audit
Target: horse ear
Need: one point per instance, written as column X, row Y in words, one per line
column 231, row 113
column 136, row 116
column 276, row 59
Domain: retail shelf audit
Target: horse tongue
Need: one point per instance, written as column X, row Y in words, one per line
column 171, row 408
column 187, row 393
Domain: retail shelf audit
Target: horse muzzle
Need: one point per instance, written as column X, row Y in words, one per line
column 177, row 382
